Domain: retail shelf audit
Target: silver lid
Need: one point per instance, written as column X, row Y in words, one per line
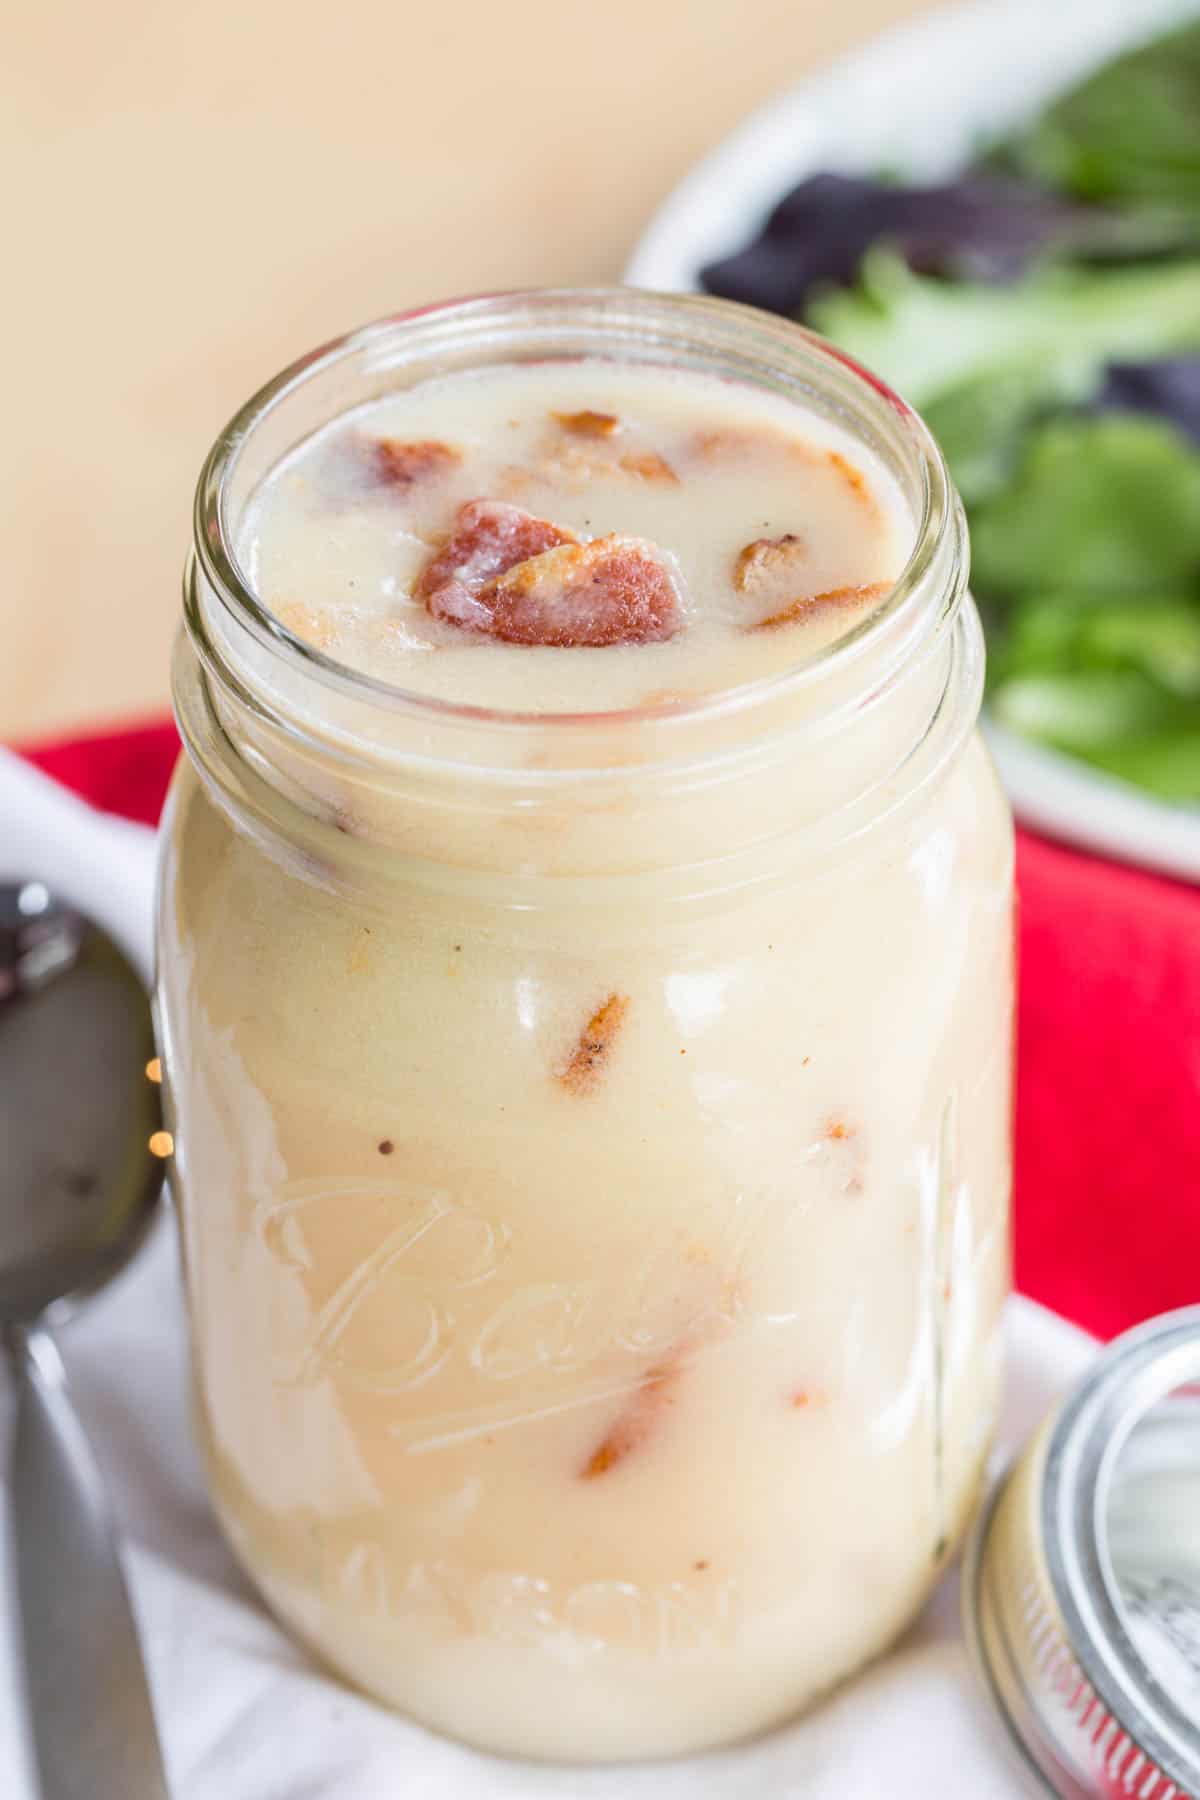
column 1081, row 1587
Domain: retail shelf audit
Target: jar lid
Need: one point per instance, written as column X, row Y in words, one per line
column 1081, row 1587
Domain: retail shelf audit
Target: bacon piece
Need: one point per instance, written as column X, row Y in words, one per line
column 730, row 440
column 847, row 1153
column 402, row 465
column 588, row 424
column 802, row 1398
column 576, row 464
column 767, row 561
column 513, row 482
column 615, row 590
column 758, row 442
column 649, row 465
column 769, row 567
column 667, row 697
column 489, row 538
column 591, row 1053
column 509, row 575
column 316, row 628
column 854, row 478
column 629, row 1431
column 810, row 603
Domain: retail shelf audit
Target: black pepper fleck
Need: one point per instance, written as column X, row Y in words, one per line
column 386, row 1147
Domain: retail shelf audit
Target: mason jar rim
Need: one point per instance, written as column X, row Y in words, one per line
column 906, row 619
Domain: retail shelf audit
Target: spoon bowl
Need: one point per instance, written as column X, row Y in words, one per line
column 81, row 1133
column 79, row 1108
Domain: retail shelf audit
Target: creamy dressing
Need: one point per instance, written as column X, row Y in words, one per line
column 696, row 467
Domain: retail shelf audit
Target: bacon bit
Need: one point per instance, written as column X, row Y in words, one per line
column 588, row 424
column 803, row 1398
column 403, row 465
column 615, row 590
column 850, row 1156
column 775, row 563
column 488, row 539
column 316, row 628
column 650, row 466
column 513, row 482
column 750, row 440
column 509, row 575
column 596, row 1040
column 711, row 444
column 571, row 464
column 628, row 1433
column 854, row 478
column 766, row 559
column 667, row 697
column 810, row 603
column 733, row 440
column 575, row 463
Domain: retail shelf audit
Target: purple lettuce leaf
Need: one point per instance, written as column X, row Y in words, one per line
column 1168, row 387
column 979, row 227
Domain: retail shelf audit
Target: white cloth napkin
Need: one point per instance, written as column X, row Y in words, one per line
column 244, row 1714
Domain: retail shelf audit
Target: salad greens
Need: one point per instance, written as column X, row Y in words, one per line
column 1081, row 473
column 1158, row 635
column 982, row 228
column 1129, row 133
column 925, row 335
column 1043, row 313
column 1169, row 386
column 1101, row 507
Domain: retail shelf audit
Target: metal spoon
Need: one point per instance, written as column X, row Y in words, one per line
column 79, row 1183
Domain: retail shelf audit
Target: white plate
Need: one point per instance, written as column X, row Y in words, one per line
column 919, row 98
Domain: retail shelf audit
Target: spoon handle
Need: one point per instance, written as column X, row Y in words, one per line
column 89, row 1704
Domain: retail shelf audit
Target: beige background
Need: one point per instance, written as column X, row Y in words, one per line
column 204, row 191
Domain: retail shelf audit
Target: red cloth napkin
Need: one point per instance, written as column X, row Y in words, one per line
column 1108, row 1104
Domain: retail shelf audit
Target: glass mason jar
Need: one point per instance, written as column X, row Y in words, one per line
column 590, row 1419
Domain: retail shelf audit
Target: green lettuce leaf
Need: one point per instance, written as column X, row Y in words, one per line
column 1129, row 133
column 1052, row 331
column 1117, row 720
column 1055, row 633
column 1101, row 505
